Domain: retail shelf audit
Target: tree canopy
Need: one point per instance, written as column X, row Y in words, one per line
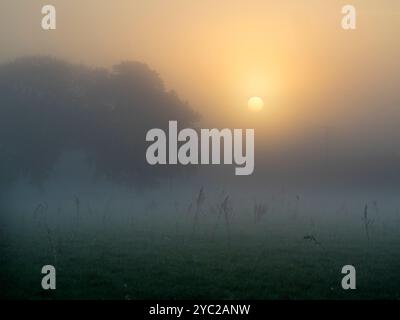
column 48, row 107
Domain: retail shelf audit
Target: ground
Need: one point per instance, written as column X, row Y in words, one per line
column 138, row 261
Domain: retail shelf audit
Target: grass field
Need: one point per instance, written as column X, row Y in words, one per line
column 141, row 259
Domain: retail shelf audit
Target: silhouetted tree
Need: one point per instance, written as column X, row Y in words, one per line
column 48, row 107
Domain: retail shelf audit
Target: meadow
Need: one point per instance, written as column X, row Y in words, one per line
column 166, row 256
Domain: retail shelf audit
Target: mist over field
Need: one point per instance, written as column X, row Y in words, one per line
column 76, row 191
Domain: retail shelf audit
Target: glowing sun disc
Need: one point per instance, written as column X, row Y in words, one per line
column 255, row 104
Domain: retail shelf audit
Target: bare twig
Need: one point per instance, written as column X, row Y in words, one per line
column 367, row 222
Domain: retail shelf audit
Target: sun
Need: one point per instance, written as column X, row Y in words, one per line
column 255, row 104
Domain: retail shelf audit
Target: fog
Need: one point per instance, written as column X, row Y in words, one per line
column 74, row 132
column 76, row 104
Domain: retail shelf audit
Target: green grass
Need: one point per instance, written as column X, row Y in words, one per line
column 142, row 262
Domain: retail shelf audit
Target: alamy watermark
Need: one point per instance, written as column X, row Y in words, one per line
column 348, row 21
column 192, row 151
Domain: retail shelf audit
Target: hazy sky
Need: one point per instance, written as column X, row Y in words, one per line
column 310, row 73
